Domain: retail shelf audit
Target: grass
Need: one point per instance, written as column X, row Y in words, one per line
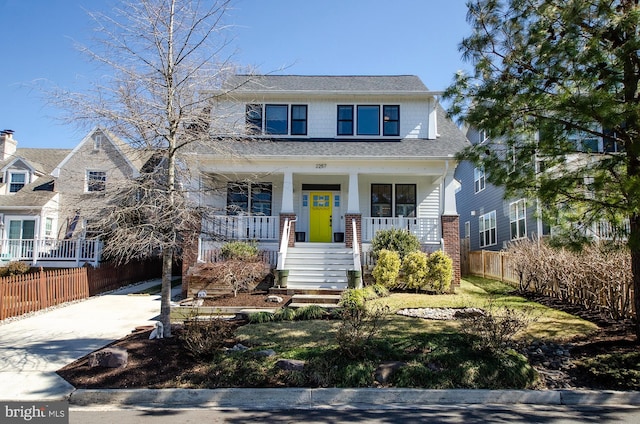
column 437, row 354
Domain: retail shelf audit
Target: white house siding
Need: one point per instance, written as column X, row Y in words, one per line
column 322, row 114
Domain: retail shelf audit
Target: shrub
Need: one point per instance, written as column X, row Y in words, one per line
column 396, row 240
column 311, row 312
column 14, row 268
column 260, row 317
column 353, row 299
column 358, row 326
column 239, row 250
column 440, row 271
column 416, row 271
column 202, row 338
column 387, row 268
column 380, row 290
column 284, row 314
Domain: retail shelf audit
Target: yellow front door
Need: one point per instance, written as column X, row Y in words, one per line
column 320, row 212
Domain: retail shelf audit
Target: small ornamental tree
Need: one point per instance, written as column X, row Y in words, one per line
column 387, row 268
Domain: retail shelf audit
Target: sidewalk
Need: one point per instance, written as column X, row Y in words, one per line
column 33, row 348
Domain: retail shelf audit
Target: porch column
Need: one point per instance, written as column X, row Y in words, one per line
column 354, row 194
column 287, row 193
column 451, row 237
column 348, row 237
column 292, row 233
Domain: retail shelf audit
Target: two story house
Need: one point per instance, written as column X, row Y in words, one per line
column 47, row 196
column 326, row 161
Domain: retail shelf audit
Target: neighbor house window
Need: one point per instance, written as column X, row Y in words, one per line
column 48, row 227
column 22, row 229
column 244, row 198
column 405, row 200
column 391, row 120
column 276, row 119
column 488, row 233
column 368, row 120
column 96, row 181
column 381, row 198
column 299, row 120
column 518, row 218
column 98, row 139
column 17, row 180
column 478, row 179
column 345, row 120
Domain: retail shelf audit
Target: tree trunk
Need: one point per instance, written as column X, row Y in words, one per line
column 165, row 297
column 634, row 245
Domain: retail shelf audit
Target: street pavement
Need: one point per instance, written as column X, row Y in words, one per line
column 32, row 348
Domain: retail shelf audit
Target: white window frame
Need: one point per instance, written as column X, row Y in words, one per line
column 479, row 180
column 88, row 179
column 518, row 217
column 24, row 183
column 48, row 227
column 487, row 225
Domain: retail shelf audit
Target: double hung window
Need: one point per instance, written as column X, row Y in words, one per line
column 96, row 181
column 518, row 219
column 387, row 198
column 17, row 181
column 274, row 119
column 245, row 198
column 488, row 231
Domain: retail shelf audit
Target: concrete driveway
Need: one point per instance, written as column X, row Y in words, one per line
column 33, row 348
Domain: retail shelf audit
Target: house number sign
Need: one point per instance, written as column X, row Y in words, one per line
column 321, row 165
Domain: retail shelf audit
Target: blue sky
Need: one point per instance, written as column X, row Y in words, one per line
column 307, row 37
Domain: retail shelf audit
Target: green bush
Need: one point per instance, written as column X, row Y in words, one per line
column 387, row 268
column 416, row 270
column 380, row 289
column 311, row 312
column 440, row 271
column 284, row 314
column 240, row 250
column 396, row 240
column 353, row 299
column 260, row 317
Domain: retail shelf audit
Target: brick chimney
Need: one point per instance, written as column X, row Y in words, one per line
column 7, row 144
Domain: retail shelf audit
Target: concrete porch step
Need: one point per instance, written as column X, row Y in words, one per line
column 316, row 298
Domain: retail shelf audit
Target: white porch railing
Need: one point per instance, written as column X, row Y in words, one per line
column 51, row 252
column 357, row 265
column 242, row 227
column 426, row 229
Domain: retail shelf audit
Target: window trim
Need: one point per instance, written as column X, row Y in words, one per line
column 23, row 183
column 492, row 231
column 294, row 120
column 479, row 180
column 415, row 200
column 248, row 194
column 351, row 121
column 91, row 182
column 385, row 121
column 391, row 207
column 519, row 221
column 275, row 106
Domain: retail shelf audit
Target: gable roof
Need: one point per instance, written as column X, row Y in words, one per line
column 135, row 162
column 34, row 195
column 355, row 84
column 42, row 161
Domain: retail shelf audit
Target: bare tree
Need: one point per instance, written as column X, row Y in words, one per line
column 166, row 62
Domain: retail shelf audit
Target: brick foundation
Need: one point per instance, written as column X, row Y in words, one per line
column 451, row 236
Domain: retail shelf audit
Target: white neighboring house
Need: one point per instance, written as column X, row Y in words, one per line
column 327, row 160
column 44, row 192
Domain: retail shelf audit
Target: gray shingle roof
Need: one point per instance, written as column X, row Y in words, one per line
column 34, row 195
column 327, row 83
column 43, row 160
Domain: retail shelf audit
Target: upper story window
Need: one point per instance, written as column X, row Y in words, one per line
column 17, row 180
column 345, row 120
column 96, row 181
column 98, row 140
column 298, row 119
column 478, row 179
column 367, row 120
column 518, row 219
column 273, row 119
column 391, row 120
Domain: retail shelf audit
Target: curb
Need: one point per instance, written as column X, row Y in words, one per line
column 302, row 398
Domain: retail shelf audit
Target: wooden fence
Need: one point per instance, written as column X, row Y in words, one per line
column 616, row 299
column 31, row 292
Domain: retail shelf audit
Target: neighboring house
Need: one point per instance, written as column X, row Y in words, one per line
column 46, row 195
column 317, row 157
column 488, row 220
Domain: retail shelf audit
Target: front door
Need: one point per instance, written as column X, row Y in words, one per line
column 320, row 217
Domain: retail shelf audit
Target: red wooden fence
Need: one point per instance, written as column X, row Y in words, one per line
column 31, row 292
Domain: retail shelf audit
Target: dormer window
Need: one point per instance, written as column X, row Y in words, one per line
column 367, row 121
column 276, row 119
column 17, row 180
